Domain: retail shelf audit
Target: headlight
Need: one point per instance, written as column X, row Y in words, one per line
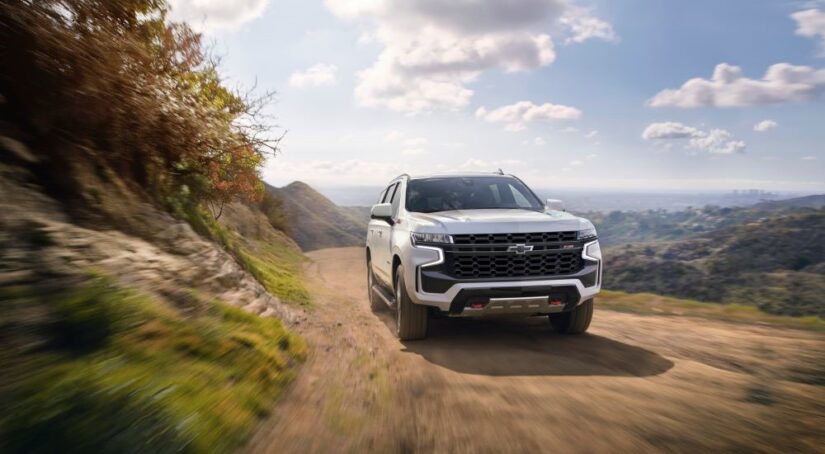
column 592, row 252
column 430, row 238
column 587, row 234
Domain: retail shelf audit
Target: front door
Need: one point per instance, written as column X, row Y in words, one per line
column 380, row 233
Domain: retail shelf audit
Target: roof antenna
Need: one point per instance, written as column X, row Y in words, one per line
column 500, row 172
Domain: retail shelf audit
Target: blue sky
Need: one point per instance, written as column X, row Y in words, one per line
column 585, row 94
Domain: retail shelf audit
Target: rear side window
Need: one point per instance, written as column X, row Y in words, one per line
column 387, row 194
column 396, row 199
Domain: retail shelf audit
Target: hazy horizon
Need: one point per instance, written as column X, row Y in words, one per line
column 596, row 200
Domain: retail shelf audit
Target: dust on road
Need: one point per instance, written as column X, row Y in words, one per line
column 634, row 383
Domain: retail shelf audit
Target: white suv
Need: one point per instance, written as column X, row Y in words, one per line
column 470, row 245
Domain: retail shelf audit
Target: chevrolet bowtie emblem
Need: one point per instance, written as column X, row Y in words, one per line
column 520, row 249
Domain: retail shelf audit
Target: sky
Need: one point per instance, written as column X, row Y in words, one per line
column 591, row 94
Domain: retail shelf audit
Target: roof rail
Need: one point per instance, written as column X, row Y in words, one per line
column 403, row 175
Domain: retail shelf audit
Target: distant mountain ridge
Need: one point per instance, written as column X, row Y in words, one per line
column 811, row 201
column 621, row 227
column 315, row 221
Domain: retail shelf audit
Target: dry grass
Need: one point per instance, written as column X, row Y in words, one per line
column 651, row 304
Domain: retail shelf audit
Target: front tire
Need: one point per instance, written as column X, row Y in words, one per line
column 573, row 322
column 411, row 318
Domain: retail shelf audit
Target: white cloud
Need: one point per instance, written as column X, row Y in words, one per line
column 539, row 141
column 432, row 49
column 517, row 115
column 583, row 26
column 575, row 163
column 569, row 130
column 314, row 76
column 591, row 156
column 210, row 15
column 809, row 158
column 715, row 141
column 591, row 134
column 811, row 24
column 328, row 172
column 669, row 130
column 765, row 125
column 727, row 87
column 413, row 151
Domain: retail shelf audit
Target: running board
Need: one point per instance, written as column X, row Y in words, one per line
column 384, row 295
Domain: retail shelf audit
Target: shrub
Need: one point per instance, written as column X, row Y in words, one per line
column 111, row 83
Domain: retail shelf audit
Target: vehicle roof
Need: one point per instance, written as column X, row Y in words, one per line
column 459, row 175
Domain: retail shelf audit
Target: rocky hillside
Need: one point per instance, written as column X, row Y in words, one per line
column 315, row 222
column 108, row 308
column 776, row 263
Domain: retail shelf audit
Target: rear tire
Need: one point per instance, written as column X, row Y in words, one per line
column 573, row 322
column 411, row 318
column 375, row 303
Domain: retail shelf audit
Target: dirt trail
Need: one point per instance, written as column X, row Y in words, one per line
column 635, row 383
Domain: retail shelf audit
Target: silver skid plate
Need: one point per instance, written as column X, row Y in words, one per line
column 516, row 305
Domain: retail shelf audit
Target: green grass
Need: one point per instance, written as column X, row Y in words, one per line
column 275, row 265
column 145, row 377
column 277, row 268
column 651, row 304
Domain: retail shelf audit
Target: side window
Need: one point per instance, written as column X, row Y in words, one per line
column 387, row 194
column 381, row 196
column 396, row 199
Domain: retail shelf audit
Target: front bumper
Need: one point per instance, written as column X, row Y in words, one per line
column 428, row 285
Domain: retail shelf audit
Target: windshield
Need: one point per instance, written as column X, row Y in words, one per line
column 429, row 195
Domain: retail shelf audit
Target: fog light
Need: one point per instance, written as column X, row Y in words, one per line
column 477, row 303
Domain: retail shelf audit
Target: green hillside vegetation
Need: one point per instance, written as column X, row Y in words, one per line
column 268, row 254
column 620, row 227
column 93, row 367
column 776, row 264
column 315, row 221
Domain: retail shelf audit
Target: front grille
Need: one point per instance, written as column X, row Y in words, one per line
column 511, row 265
column 480, row 256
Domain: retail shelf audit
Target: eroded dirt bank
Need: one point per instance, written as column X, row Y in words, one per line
column 634, row 383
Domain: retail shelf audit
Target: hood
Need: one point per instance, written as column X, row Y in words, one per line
column 497, row 221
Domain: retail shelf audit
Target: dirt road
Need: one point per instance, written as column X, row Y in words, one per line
column 634, row 383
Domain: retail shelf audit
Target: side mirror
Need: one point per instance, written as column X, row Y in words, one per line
column 555, row 205
column 383, row 212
